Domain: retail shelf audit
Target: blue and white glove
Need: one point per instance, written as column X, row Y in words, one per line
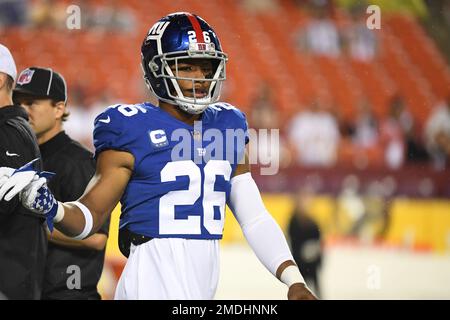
column 12, row 181
column 31, row 185
column 38, row 198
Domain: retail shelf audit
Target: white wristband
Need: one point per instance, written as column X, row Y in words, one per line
column 59, row 214
column 291, row 275
column 88, row 221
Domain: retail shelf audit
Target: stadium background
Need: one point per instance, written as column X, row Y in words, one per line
column 381, row 214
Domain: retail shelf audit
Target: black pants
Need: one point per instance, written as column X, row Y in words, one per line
column 23, row 248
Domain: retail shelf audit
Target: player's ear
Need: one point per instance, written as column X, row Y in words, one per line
column 60, row 109
column 3, row 80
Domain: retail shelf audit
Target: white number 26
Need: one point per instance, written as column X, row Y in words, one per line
column 193, row 36
column 192, row 225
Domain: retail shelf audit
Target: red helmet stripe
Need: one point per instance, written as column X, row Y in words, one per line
column 197, row 28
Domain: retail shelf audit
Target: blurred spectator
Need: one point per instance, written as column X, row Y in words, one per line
column 438, row 24
column 113, row 17
column 305, row 239
column 362, row 43
column 315, row 135
column 106, row 98
column 87, row 9
column 349, row 207
column 393, row 133
column 437, row 135
column 76, row 123
column 83, row 111
column 365, row 130
column 414, row 148
column 363, row 215
column 360, row 143
column 13, row 13
column 320, row 35
column 264, row 115
column 262, row 100
column 376, row 199
column 48, row 14
column 260, row 6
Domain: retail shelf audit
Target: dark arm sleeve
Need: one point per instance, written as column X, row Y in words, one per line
column 16, row 137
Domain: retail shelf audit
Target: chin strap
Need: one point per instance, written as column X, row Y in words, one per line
column 190, row 108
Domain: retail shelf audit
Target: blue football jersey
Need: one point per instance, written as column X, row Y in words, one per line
column 181, row 178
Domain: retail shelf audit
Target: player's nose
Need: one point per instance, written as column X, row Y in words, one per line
column 198, row 73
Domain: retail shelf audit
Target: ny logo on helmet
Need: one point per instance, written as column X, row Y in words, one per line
column 157, row 29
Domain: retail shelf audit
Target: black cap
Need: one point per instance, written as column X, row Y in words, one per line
column 42, row 83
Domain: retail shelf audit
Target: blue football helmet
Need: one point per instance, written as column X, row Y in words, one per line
column 169, row 42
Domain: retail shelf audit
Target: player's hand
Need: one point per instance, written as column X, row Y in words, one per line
column 38, row 198
column 5, row 173
column 31, row 185
column 13, row 181
column 298, row 291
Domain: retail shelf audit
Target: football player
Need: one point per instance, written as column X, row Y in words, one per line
column 173, row 199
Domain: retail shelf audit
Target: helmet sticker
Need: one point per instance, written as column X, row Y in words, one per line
column 156, row 32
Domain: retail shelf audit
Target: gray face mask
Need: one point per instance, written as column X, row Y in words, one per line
column 169, row 72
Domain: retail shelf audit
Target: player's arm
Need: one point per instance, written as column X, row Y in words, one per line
column 94, row 242
column 263, row 234
column 113, row 171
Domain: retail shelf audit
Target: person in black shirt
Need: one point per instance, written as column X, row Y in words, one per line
column 73, row 267
column 23, row 243
column 304, row 235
